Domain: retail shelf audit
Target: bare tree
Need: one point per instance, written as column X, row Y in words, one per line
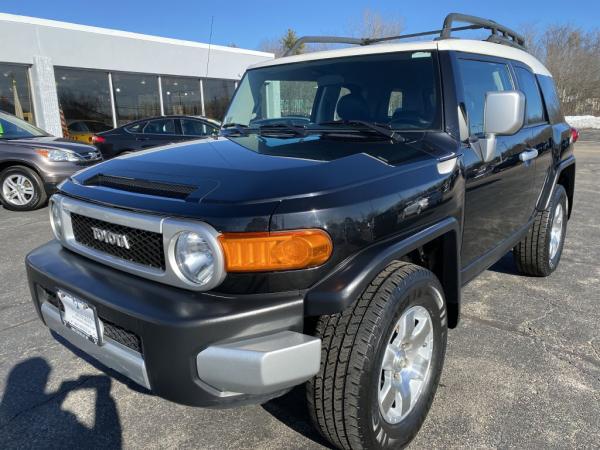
column 573, row 57
column 373, row 24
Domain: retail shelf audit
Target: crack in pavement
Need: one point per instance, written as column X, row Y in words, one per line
column 18, row 325
column 503, row 326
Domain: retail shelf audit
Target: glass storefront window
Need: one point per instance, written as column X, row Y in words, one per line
column 136, row 96
column 217, row 94
column 15, row 94
column 181, row 96
column 84, row 99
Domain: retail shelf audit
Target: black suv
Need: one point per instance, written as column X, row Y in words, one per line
column 324, row 238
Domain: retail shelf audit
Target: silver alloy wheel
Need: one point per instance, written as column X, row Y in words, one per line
column 557, row 230
column 18, row 190
column 406, row 364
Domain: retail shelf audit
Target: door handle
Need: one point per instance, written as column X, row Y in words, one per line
column 528, row 155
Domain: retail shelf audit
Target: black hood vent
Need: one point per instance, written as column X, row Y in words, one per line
column 148, row 187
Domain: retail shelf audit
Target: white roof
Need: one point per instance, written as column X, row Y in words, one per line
column 126, row 34
column 461, row 45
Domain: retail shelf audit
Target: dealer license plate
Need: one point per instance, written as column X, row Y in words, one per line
column 80, row 317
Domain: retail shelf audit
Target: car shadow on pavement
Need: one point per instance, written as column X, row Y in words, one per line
column 28, row 409
column 506, row 265
column 291, row 410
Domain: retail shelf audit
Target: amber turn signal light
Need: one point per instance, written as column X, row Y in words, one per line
column 279, row 250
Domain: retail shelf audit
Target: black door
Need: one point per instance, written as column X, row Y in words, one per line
column 498, row 201
column 540, row 142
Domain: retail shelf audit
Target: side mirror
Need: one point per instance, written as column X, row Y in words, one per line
column 504, row 115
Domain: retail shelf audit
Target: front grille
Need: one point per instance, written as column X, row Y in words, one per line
column 122, row 336
column 145, row 247
column 148, row 187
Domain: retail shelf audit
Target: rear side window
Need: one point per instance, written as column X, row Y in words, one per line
column 161, row 126
column 551, row 98
column 136, row 127
column 195, row 128
column 478, row 78
column 534, row 107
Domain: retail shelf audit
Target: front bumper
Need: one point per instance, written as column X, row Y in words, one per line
column 193, row 348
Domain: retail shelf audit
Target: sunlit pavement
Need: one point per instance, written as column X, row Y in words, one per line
column 522, row 370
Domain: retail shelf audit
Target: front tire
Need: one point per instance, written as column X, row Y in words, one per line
column 21, row 189
column 394, row 335
column 538, row 254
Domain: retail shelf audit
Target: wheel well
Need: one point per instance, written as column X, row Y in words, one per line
column 441, row 257
column 567, row 180
column 6, row 164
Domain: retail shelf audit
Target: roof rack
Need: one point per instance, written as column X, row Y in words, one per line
column 499, row 34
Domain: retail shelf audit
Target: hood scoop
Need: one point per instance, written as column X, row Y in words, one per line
column 148, row 187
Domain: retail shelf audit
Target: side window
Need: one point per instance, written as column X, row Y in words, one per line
column 534, row 107
column 136, row 127
column 478, row 78
column 191, row 127
column 160, row 126
column 77, row 127
column 551, row 98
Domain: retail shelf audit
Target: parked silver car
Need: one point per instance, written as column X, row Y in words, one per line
column 33, row 163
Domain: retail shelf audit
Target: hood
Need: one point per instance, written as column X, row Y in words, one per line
column 253, row 173
column 51, row 142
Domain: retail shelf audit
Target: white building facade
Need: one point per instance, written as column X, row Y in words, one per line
column 52, row 73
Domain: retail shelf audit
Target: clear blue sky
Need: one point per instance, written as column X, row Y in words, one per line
column 246, row 23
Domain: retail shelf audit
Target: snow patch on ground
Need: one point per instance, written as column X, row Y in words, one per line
column 583, row 121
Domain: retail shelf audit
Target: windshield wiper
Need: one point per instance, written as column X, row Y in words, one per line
column 298, row 130
column 239, row 127
column 380, row 128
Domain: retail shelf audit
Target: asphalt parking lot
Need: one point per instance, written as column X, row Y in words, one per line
column 522, row 370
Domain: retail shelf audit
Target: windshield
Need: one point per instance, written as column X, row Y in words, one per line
column 12, row 127
column 399, row 90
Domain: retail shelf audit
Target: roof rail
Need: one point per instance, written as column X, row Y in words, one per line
column 499, row 34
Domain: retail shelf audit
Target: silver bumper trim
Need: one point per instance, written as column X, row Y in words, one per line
column 112, row 354
column 260, row 365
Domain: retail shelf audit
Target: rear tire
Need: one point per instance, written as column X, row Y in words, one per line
column 21, row 189
column 348, row 399
column 538, row 254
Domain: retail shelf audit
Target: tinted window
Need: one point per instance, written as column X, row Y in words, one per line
column 191, row 127
column 83, row 94
column 478, row 78
column 181, row 96
column 551, row 98
column 534, row 108
column 356, row 88
column 15, row 97
column 13, row 128
column 217, row 94
column 77, row 127
column 160, row 126
column 136, row 96
column 136, row 127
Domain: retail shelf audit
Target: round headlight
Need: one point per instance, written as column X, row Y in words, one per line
column 195, row 258
column 56, row 219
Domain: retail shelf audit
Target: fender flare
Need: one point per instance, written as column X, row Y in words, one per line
column 347, row 282
column 546, row 196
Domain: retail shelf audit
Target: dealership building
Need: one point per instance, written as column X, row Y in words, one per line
column 52, row 73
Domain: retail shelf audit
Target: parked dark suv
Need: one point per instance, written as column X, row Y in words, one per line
column 324, row 238
column 32, row 163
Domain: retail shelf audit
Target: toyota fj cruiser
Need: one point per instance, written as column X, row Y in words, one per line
column 324, row 237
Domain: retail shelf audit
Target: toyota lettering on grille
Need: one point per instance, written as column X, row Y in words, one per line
column 120, row 240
